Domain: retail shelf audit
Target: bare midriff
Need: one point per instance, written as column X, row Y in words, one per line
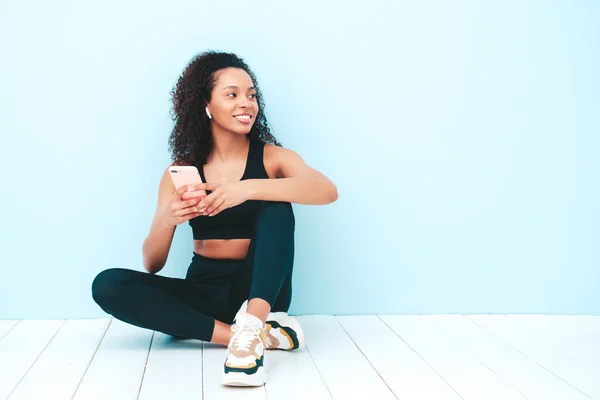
column 235, row 249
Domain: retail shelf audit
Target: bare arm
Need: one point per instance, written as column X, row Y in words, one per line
column 291, row 180
column 297, row 182
column 158, row 242
column 170, row 211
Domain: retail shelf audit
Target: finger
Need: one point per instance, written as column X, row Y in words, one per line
column 186, row 211
column 187, row 217
column 222, row 207
column 207, row 201
column 206, row 186
column 214, row 205
column 215, row 202
column 181, row 190
column 193, row 215
column 178, row 205
column 189, row 202
column 196, row 194
column 185, row 189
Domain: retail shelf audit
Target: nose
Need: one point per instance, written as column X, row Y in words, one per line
column 245, row 102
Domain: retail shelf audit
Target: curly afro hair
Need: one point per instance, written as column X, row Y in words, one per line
column 191, row 140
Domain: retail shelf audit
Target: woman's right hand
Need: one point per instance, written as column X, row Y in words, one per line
column 177, row 211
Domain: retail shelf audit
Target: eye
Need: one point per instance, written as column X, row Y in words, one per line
column 231, row 94
column 253, row 95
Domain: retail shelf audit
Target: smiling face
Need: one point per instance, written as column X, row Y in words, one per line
column 233, row 103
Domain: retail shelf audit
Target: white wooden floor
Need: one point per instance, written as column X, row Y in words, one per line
column 480, row 357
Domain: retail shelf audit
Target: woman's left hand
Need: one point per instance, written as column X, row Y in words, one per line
column 223, row 196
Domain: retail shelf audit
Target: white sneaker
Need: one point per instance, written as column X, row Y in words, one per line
column 244, row 363
column 283, row 332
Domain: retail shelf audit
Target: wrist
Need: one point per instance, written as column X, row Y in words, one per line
column 164, row 224
column 250, row 189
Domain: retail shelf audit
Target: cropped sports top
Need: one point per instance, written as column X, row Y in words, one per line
column 235, row 222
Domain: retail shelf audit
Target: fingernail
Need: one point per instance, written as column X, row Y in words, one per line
column 191, row 189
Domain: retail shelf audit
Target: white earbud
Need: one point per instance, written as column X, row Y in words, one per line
column 208, row 113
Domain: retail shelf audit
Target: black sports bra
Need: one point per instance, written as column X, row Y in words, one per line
column 235, row 222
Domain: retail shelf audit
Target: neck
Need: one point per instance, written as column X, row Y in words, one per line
column 227, row 145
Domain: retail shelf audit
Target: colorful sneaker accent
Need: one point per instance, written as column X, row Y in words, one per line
column 244, row 363
column 283, row 332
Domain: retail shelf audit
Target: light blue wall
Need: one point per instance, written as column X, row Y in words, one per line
column 463, row 137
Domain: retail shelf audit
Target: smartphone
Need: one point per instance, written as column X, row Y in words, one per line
column 182, row 175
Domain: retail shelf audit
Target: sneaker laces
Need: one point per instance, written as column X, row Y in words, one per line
column 243, row 337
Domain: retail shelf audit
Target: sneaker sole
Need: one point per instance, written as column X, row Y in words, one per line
column 258, row 378
column 284, row 319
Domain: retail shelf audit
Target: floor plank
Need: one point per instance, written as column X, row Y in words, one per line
column 588, row 324
column 176, row 361
column 19, row 349
column 405, row 372
column 560, row 348
column 347, row 373
column 61, row 366
column 293, row 375
column 470, row 378
column 579, row 332
column 6, row 325
column 214, row 357
column 116, row 370
column 349, row 357
column 534, row 381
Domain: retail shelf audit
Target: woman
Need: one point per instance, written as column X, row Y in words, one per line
column 237, row 289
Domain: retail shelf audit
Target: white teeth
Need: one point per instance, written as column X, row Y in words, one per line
column 242, row 117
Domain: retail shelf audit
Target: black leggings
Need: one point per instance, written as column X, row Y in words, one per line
column 213, row 289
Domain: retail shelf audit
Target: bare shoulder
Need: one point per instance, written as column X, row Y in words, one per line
column 285, row 163
column 277, row 152
column 270, row 160
column 275, row 158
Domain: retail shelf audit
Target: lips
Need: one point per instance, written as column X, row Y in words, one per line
column 243, row 118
